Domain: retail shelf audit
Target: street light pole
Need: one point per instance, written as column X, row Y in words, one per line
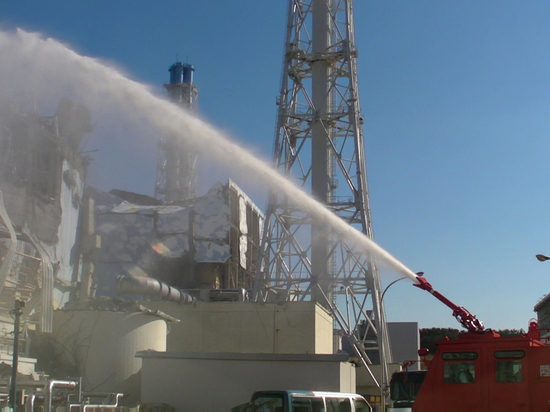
column 17, row 312
column 397, row 280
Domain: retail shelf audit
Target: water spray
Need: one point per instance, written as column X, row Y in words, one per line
column 104, row 88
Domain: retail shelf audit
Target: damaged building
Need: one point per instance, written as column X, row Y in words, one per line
column 75, row 255
column 203, row 248
column 63, row 245
column 204, row 245
column 42, row 176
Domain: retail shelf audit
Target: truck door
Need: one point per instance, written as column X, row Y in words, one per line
column 507, row 381
column 461, row 388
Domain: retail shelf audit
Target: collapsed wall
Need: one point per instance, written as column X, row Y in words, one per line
column 42, row 177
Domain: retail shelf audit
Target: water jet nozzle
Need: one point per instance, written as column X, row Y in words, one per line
column 465, row 318
column 423, row 284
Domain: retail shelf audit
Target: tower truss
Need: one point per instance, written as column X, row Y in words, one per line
column 176, row 167
column 319, row 145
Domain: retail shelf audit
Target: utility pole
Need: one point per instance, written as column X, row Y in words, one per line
column 17, row 312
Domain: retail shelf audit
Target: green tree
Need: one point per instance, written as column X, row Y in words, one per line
column 510, row 332
column 430, row 336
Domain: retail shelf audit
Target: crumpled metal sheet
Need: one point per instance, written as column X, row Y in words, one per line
column 131, row 231
column 172, row 246
column 176, row 221
column 208, row 251
column 125, row 237
column 209, row 204
column 127, row 207
column 133, row 237
column 212, row 215
column 243, row 229
column 213, row 227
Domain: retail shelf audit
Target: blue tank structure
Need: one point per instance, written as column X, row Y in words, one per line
column 181, row 73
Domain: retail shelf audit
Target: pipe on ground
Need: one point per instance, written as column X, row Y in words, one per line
column 129, row 285
column 48, row 389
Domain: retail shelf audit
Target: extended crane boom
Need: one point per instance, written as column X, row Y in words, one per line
column 465, row 318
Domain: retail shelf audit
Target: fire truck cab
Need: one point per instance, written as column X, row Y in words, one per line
column 487, row 372
column 480, row 371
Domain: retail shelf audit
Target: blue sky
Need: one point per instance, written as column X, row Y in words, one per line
column 455, row 96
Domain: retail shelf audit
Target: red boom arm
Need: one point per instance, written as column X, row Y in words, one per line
column 466, row 319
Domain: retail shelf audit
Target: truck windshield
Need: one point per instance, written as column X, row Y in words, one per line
column 268, row 403
column 404, row 387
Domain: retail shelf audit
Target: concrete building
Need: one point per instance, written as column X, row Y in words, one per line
column 241, row 347
column 247, row 327
column 42, row 177
column 214, row 382
column 405, row 342
column 165, row 352
column 542, row 308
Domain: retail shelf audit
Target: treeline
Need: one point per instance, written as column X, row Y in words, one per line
column 429, row 336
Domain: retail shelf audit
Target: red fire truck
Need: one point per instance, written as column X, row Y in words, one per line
column 480, row 371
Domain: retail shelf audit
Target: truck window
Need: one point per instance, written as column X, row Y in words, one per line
column 307, row 404
column 503, row 354
column 404, row 387
column 509, row 371
column 459, row 356
column 361, row 406
column 459, row 372
column 338, row 405
column 270, row 403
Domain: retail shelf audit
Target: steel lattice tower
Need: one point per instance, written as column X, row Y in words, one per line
column 176, row 168
column 319, row 145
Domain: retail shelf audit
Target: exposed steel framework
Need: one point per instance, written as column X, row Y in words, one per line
column 319, row 145
column 176, row 168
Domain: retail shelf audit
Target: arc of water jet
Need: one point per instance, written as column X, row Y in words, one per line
column 105, row 85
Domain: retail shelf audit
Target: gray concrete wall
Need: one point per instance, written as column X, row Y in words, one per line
column 248, row 327
column 218, row 381
column 405, row 342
